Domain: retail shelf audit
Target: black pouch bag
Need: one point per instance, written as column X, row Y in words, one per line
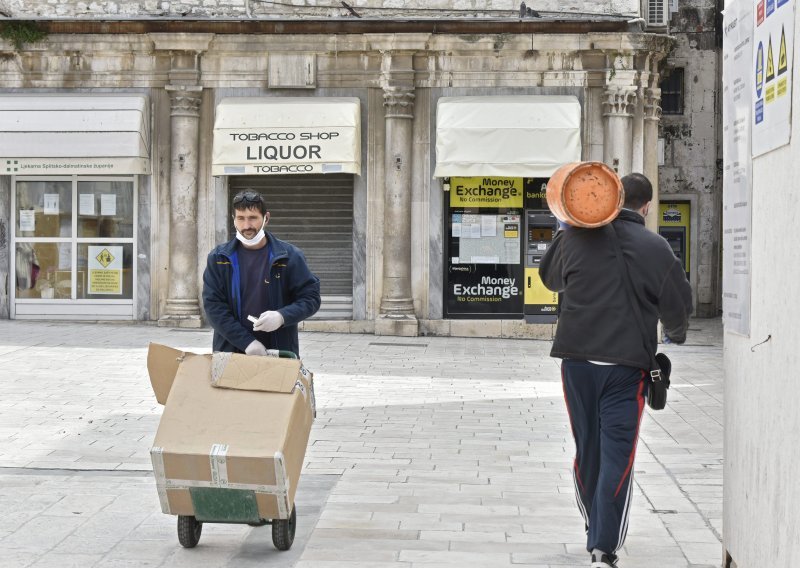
column 660, row 365
column 659, row 383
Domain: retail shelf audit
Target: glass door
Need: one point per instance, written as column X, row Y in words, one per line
column 75, row 245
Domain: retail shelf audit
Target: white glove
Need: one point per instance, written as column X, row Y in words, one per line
column 268, row 321
column 256, row 348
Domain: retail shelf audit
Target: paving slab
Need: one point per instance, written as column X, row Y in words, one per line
column 426, row 452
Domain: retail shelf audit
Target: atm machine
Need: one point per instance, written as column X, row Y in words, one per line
column 541, row 304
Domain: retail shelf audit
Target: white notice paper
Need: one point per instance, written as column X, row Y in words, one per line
column 737, row 185
column 108, row 204
column 475, row 231
column 27, row 220
column 86, row 204
column 488, row 225
column 456, row 229
column 51, row 204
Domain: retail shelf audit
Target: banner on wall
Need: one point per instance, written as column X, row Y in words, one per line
column 772, row 49
column 737, row 110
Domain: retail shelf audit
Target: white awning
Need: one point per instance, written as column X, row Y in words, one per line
column 74, row 134
column 277, row 135
column 506, row 136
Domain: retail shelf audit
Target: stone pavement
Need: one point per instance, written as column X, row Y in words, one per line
column 426, row 453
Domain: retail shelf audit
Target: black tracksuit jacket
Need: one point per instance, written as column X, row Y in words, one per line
column 596, row 321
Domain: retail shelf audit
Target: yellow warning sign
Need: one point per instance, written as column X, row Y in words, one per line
column 105, row 281
column 783, row 64
column 105, row 258
column 770, row 65
column 770, row 96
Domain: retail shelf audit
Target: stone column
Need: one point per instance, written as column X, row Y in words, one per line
column 397, row 305
column 618, row 109
column 652, row 116
column 183, row 307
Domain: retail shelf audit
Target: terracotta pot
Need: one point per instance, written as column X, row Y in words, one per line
column 585, row 194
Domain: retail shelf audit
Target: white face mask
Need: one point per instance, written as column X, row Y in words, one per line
column 255, row 240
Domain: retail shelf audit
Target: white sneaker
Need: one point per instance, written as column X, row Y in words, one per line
column 602, row 559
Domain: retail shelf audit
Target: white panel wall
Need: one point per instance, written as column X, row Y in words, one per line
column 762, row 417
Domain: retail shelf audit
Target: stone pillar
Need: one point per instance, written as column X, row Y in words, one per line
column 397, row 305
column 652, row 116
column 618, row 109
column 183, row 307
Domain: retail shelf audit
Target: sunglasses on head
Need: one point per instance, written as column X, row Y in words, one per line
column 249, row 197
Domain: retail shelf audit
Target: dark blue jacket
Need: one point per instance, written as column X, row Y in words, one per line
column 293, row 291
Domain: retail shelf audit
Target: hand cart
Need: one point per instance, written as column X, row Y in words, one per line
column 234, row 506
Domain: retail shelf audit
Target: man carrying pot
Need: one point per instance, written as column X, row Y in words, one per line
column 257, row 288
column 605, row 365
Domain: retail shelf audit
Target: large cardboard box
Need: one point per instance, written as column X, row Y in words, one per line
column 233, row 435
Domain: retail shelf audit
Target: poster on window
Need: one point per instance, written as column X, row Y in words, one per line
column 27, row 220
column 51, row 204
column 105, row 270
column 773, row 46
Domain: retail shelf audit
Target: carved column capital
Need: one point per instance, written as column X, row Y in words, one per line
column 652, row 104
column 184, row 100
column 620, row 101
column 399, row 102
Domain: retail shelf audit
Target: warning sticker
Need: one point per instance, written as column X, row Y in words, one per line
column 105, row 270
column 759, row 69
column 770, row 65
column 783, row 63
column 105, row 258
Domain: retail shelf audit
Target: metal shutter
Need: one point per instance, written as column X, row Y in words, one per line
column 315, row 213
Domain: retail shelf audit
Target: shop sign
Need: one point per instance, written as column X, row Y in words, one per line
column 486, row 192
column 78, row 166
column 105, row 270
column 488, row 289
column 285, row 151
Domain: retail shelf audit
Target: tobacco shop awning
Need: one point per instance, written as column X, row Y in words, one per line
column 506, row 136
column 74, row 134
column 281, row 135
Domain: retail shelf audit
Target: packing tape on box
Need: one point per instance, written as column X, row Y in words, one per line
column 256, row 488
column 282, row 480
column 219, row 360
column 219, row 465
column 157, row 457
column 218, row 460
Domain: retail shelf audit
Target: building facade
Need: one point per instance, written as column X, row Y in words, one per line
column 127, row 127
column 690, row 177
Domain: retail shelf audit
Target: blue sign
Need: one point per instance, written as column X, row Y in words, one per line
column 759, row 69
column 782, row 2
column 759, row 111
column 770, row 7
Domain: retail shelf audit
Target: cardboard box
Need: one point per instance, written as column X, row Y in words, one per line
column 233, row 435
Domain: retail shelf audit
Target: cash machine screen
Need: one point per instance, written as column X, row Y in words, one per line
column 540, row 234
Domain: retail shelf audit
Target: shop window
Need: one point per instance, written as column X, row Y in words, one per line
column 74, row 239
column 672, row 92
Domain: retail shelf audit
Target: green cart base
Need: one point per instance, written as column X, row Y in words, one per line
column 233, row 506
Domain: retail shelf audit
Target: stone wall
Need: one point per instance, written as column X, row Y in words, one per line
column 692, row 143
column 305, row 8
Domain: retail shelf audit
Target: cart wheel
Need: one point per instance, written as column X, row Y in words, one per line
column 189, row 530
column 283, row 531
